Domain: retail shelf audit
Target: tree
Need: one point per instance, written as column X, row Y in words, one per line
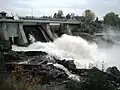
column 55, row 15
column 60, row 14
column 96, row 20
column 47, row 17
column 89, row 16
column 111, row 19
column 68, row 16
column 72, row 15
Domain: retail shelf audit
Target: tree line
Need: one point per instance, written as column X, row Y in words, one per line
column 88, row 16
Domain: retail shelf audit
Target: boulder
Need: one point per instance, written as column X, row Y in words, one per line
column 69, row 64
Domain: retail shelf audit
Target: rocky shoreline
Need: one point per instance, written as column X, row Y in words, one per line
column 38, row 68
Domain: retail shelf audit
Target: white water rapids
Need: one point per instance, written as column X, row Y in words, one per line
column 84, row 54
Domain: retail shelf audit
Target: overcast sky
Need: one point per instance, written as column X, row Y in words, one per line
column 48, row 7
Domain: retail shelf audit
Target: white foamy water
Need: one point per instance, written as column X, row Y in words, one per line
column 71, row 76
column 32, row 38
column 84, row 54
column 110, row 51
column 111, row 55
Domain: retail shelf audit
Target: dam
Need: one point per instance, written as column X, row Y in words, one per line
column 67, row 58
column 18, row 32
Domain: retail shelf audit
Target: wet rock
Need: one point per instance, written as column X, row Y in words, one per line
column 48, row 72
column 37, row 60
column 55, row 72
column 12, row 56
column 42, row 65
column 70, row 65
column 33, row 53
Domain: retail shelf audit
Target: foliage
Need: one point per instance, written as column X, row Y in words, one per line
column 72, row 15
column 89, row 16
column 58, row 15
column 68, row 16
column 48, row 17
column 111, row 19
column 55, row 15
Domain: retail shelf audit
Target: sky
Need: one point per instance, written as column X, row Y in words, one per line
column 49, row 7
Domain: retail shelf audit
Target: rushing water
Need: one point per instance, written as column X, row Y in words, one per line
column 84, row 53
column 71, row 76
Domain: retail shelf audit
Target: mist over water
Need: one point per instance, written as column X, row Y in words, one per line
column 111, row 50
column 111, row 55
column 84, row 53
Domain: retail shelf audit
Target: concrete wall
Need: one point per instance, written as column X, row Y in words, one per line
column 8, row 30
column 22, row 37
column 2, row 37
column 13, row 30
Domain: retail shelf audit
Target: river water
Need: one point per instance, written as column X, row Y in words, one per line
column 85, row 54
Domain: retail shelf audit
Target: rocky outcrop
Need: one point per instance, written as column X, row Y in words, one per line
column 40, row 65
column 69, row 64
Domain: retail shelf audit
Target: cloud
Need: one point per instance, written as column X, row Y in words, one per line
column 42, row 7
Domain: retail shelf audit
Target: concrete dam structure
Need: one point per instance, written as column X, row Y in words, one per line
column 18, row 32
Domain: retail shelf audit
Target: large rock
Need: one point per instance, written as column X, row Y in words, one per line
column 69, row 64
